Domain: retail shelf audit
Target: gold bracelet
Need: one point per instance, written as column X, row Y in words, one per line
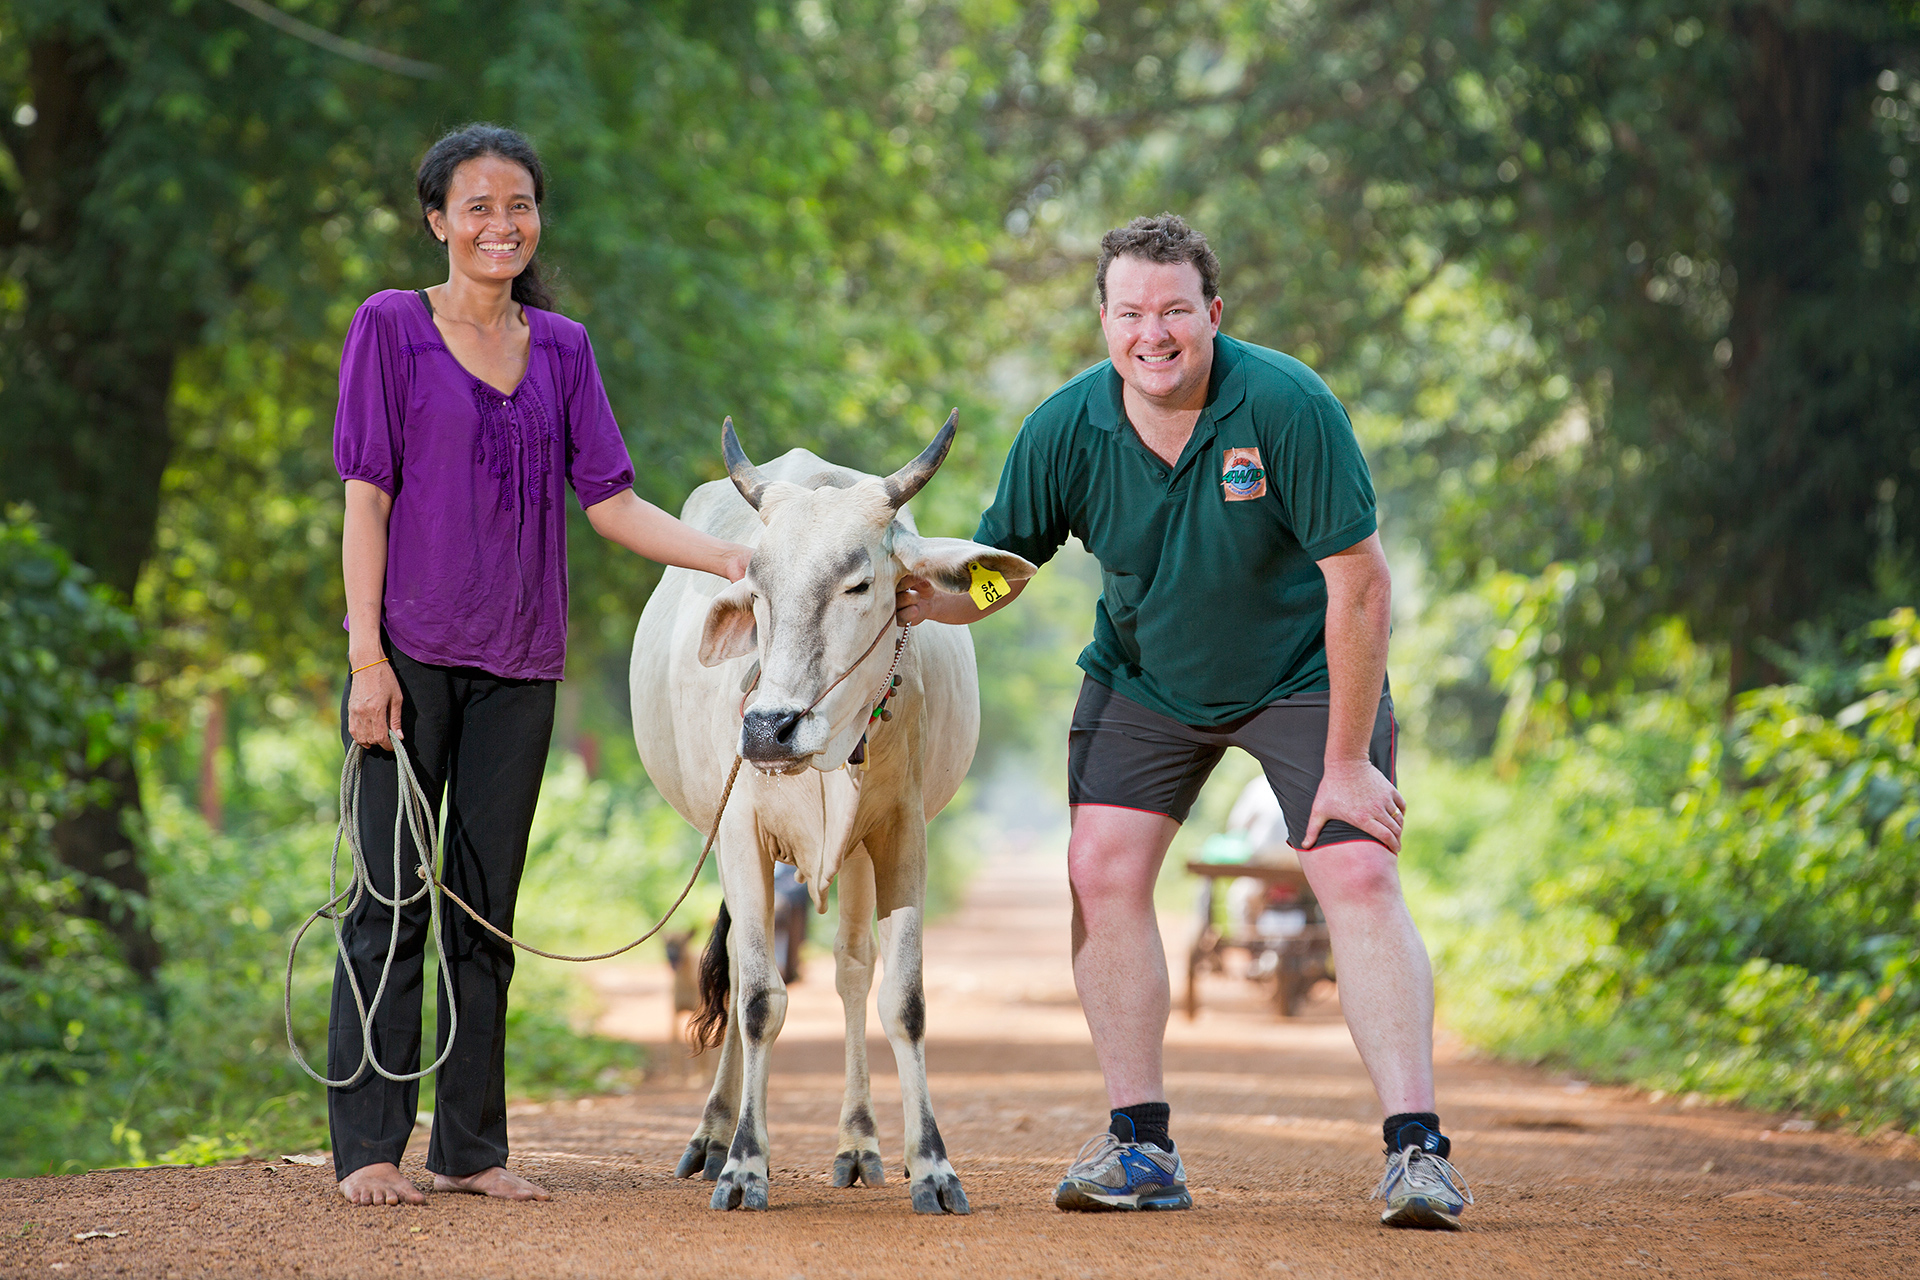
column 354, row 671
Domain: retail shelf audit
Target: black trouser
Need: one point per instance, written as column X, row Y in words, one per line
column 486, row 738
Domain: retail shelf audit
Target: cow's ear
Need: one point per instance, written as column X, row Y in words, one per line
column 729, row 630
column 944, row 561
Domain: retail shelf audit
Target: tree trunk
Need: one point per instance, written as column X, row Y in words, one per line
column 98, row 843
column 211, row 738
column 84, row 386
column 1792, row 248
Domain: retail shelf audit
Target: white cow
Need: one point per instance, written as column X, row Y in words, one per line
column 751, row 668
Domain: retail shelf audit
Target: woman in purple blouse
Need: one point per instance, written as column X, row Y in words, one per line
column 465, row 411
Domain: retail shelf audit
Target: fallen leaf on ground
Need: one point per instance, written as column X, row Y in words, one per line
column 312, row 1158
column 96, row 1235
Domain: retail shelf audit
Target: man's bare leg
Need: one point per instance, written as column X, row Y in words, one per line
column 1386, row 980
column 495, row 1182
column 380, row 1184
column 1119, row 966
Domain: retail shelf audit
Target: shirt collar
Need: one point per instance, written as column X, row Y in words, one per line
column 1226, row 388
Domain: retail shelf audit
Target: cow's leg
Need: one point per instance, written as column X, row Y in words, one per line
column 857, row 1151
column 903, row 1012
column 707, row 1152
column 760, row 1007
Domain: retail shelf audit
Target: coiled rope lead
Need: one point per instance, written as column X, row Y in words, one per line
column 416, row 815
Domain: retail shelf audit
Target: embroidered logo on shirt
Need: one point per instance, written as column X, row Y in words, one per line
column 1242, row 478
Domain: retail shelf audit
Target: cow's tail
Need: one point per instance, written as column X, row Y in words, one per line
column 708, row 1026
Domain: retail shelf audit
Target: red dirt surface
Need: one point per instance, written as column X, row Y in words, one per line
column 1276, row 1120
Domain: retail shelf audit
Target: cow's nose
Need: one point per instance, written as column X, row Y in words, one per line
column 767, row 734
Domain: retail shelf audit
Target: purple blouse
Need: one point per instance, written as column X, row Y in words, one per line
column 477, row 542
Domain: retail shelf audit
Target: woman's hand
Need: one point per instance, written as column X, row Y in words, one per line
column 734, row 562
column 373, row 706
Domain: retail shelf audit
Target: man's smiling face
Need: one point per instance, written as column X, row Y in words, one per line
column 1159, row 326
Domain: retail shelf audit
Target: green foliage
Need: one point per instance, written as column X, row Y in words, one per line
column 1727, row 909
column 60, row 716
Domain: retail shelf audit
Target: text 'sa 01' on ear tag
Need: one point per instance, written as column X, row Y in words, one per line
column 988, row 587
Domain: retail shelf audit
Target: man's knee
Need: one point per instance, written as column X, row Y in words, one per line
column 1104, row 878
column 1358, row 873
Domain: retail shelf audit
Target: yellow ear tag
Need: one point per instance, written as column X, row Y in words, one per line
column 988, row 587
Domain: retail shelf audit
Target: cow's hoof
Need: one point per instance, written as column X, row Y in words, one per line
column 939, row 1193
column 850, row 1167
column 704, row 1156
column 740, row 1190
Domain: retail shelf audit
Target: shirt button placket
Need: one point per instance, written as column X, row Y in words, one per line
column 519, row 448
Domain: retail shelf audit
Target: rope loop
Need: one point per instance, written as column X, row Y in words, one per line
column 415, row 816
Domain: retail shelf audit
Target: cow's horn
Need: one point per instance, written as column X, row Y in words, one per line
column 745, row 476
column 908, row 480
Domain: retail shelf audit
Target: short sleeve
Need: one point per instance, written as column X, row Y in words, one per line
column 367, row 425
column 1028, row 516
column 598, row 465
column 1321, row 478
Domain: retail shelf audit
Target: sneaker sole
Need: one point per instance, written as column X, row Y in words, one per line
column 1422, row 1215
column 1079, row 1200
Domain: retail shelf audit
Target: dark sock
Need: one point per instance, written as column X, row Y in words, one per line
column 1415, row 1129
column 1142, row 1122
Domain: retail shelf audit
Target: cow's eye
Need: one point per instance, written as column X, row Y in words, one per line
column 858, row 588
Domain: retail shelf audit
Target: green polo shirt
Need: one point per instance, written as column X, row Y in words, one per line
column 1211, row 605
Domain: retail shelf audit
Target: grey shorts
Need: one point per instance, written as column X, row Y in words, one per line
column 1121, row 754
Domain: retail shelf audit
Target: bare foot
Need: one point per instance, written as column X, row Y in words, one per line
column 496, row 1182
column 380, row 1184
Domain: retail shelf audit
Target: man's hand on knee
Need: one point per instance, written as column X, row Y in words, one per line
column 1355, row 792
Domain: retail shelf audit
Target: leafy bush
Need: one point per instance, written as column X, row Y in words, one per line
column 65, row 998
column 58, row 714
column 1727, row 908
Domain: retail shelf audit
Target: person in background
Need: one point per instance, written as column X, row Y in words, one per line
column 466, row 411
column 792, row 907
column 1245, row 602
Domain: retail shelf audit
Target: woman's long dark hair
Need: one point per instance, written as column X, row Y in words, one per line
column 469, row 142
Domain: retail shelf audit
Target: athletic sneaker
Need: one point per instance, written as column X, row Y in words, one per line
column 1111, row 1174
column 1422, row 1190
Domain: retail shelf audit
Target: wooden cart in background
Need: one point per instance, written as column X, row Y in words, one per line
column 1279, row 926
column 1291, row 961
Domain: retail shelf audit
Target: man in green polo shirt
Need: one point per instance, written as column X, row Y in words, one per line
column 1245, row 602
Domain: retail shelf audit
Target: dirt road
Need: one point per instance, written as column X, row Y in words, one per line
column 1276, row 1120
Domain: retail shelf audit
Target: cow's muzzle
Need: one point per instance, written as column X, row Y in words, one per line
column 771, row 739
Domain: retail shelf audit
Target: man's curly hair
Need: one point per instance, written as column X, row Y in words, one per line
column 1166, row 238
